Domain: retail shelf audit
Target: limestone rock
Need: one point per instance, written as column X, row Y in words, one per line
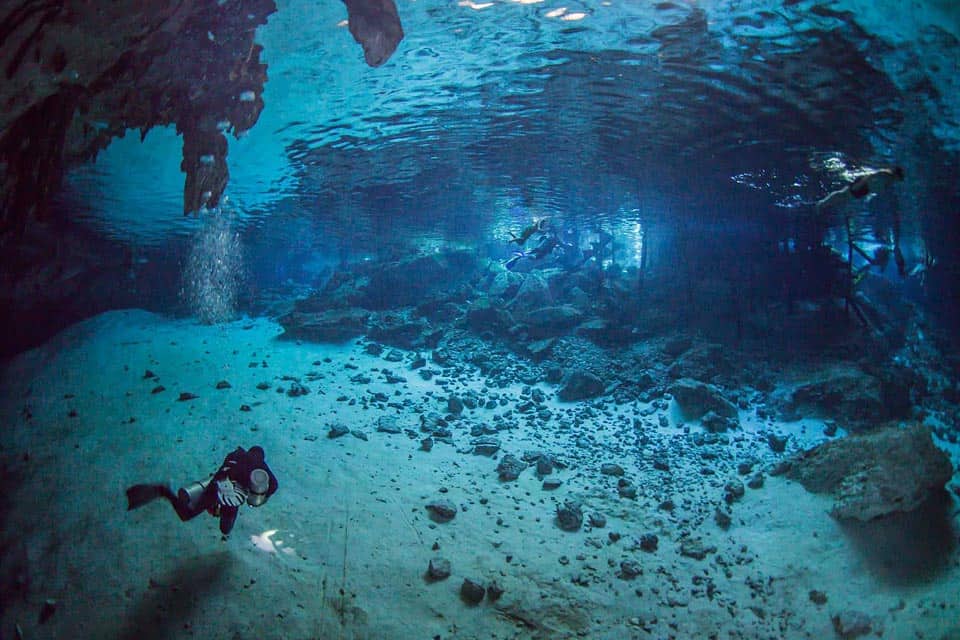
column 533, row 293
column 703, row 362
column 851, row 624
column 580, row 385
column 551, row 321
column 874, row 474
column 407, row 282
column 335, row 325
column 844, row 393
column 696, row 398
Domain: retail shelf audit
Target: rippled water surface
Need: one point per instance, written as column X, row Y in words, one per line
column 723, row 113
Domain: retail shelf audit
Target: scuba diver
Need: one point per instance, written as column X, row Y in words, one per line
column 243, row 477
column 545, row 246
column 864, row 188
column 537, row 226
column 868, row 184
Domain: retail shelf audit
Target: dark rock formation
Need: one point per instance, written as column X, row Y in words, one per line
column 325, row 326
column 551, row 321
column 704, row 362
column 442, row 510
column 375, row 25
column 438, row 569
column 472, row 592
column 580, row 385
column 844, row 393
column 851, row 624
column 875, row 474
column 695, row 399
column 569, row 516
column 78, row 74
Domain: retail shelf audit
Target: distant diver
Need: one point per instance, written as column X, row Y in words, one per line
column 243, row 477
column 537, row 226
column 544, row 248
column 866, row 185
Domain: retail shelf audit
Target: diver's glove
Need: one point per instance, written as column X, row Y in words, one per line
column 229, row 494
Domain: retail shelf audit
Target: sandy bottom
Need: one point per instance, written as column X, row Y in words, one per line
column 342, row 549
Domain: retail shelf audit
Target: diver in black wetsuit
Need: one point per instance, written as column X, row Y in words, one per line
column 243, row 477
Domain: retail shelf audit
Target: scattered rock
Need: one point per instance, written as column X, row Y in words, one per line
column 296, row 389
column 611, row 469
column 471, row 592
column 186, row 395
column 454, row 405
column 818, row 597
column 442, row 510
column 630, row 569
column 338, row 430
column 569, row 516
column 851, row 624
column 695, row 548
column 485, row 446
column 510, row 468
column 223, row 384
column 649, row 542
column 626, row 489
column 438, row 569
column 388, row 424
column 715, row 423
column 778, row 443
column 722, row 518
column 158, row 389
column 733, row 491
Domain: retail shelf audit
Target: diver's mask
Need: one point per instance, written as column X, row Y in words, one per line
column 259, row 486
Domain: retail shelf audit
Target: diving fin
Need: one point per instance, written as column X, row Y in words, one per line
column 140, row 494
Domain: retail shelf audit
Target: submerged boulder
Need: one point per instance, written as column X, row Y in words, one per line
column 334, row 325
column 533, row 293
column 551, row 321
column 407, row 282
column 402, row 332
column 696, row 399
column 874, row 474
column 703, row 362
column 843, row 393
column 580, row 385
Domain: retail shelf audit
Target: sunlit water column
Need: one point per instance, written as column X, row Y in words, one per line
column 215, row 267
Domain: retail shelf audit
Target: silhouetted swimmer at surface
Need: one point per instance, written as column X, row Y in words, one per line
column 243, row 477
column 866, row 185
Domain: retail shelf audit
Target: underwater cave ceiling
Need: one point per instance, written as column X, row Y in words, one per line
column 77, row 74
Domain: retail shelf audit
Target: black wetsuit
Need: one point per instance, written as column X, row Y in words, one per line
column 236, row 468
